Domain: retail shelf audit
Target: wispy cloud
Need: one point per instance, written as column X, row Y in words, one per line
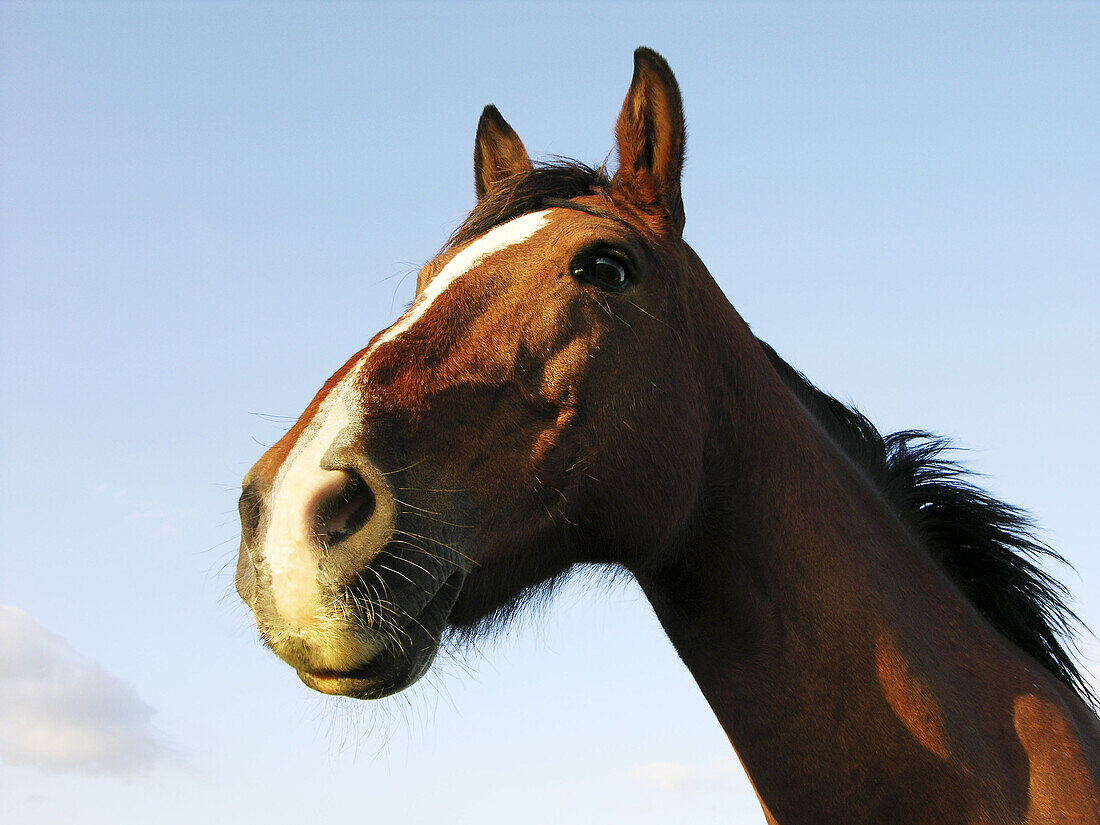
column 161, row 520
column 156, row 519
column 60, row 710
column 674, row 777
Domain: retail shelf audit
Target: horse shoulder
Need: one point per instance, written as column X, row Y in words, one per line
column 1063, row 752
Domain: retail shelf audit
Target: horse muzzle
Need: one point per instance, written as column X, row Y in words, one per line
column 336, row 593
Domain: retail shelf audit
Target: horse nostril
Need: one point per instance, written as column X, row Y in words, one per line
column 347, row 509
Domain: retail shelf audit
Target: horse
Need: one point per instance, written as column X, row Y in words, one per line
column 570, row 387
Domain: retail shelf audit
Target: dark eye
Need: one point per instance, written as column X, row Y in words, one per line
column 605, row 271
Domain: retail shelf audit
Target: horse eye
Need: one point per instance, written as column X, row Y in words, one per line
column 606, row 272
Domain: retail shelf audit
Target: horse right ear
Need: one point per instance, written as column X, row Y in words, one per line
column 650, row 137
column 498, row 152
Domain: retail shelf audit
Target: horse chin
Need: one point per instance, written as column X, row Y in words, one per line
column 391, row 671
column 399, row 664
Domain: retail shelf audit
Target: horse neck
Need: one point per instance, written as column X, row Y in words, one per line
column 853, row 679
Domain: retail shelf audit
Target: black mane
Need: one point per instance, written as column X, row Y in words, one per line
column 986, row 547
column 545, row 185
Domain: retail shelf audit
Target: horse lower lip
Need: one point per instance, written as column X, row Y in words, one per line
column 330, row 683
column 321, row 678
column 369, row 680
column 374, row 670
column 365, row 683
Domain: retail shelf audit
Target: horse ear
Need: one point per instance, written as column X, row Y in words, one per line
column 650, row 137
column 498, row 152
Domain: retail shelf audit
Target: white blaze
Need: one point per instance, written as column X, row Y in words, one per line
column 291, row 545
column 515, row 231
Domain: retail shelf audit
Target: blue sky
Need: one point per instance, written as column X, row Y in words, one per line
column 206, row 208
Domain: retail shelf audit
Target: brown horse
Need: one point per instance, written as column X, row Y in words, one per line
column 570, row 386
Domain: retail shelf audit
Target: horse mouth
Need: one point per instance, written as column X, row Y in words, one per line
column 400, row 663
column 387, row 673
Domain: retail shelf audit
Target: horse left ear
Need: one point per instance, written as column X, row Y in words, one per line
column 498, row 152
column 650, row 137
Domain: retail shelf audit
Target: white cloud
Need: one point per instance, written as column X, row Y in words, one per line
column 152, row 518
column 60, row 710
column 161, row 520
column 674, row 777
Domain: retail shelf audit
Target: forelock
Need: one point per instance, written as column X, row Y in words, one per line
column 544, row 186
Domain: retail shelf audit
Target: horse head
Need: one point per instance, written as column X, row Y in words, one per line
column 539, row 405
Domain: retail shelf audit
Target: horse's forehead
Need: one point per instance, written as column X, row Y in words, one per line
column 514, row 238
column 567, row 222
column 450, row 270
column 449, row 267
column 522, row 236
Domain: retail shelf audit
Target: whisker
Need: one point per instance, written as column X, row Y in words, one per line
column 412, row 506
column 418, row 567
column 427, row 593
column 442, row 544
column 409, row 467
column 430, row 513
column 675, row 331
